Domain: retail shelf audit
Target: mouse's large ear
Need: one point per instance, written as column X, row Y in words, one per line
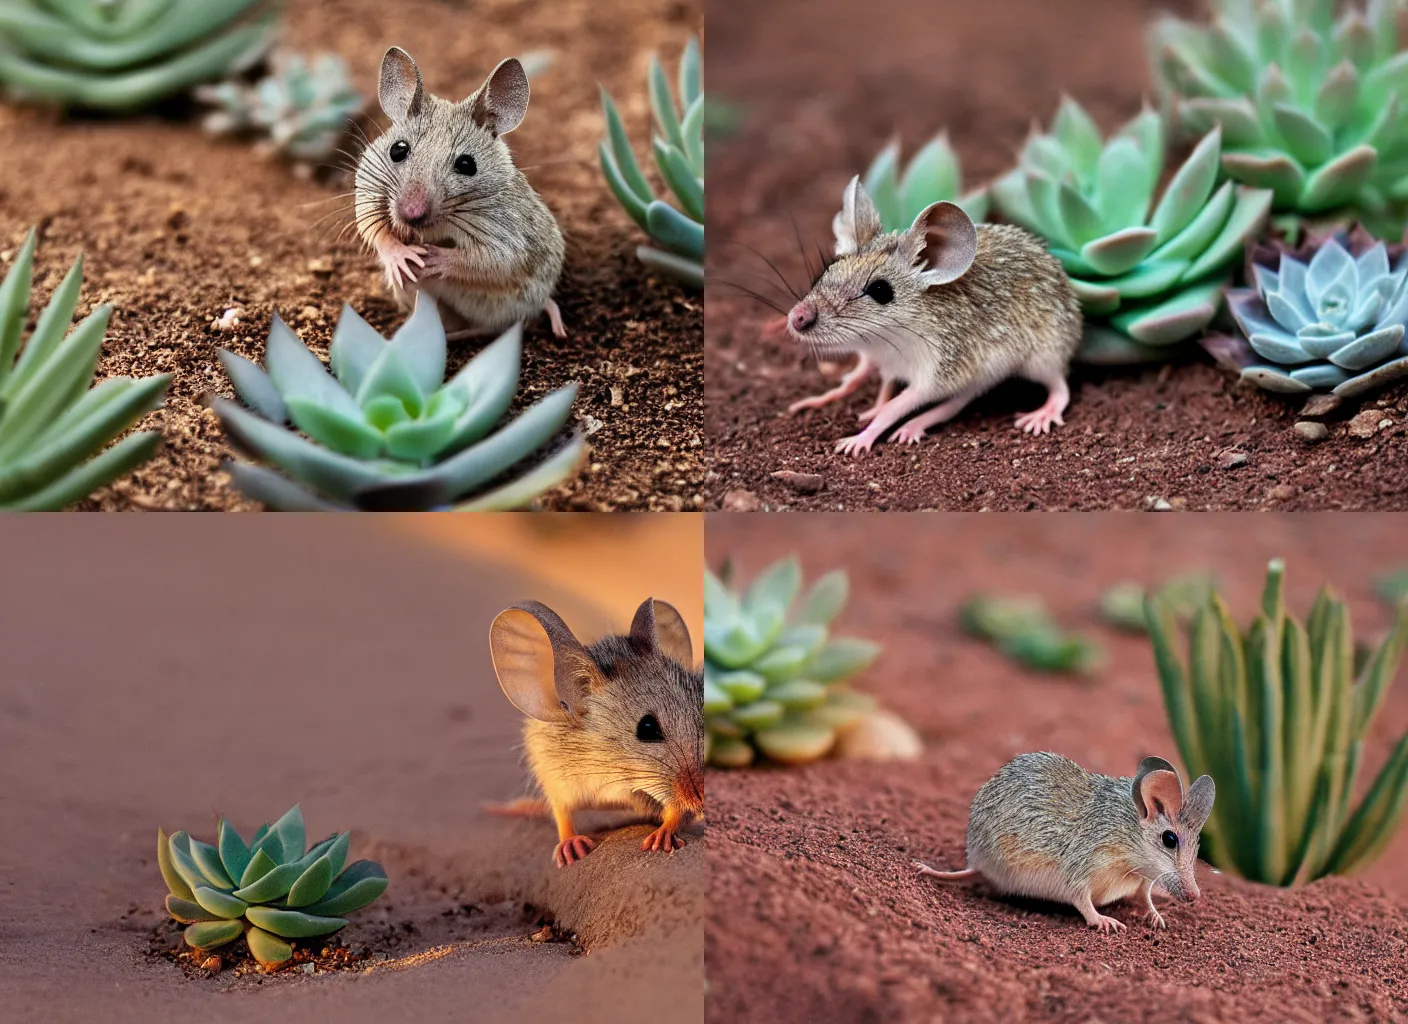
column 502, row 100
column 543, row 669
column 401, row 92
column 946, row 242
column 659, row 627
column 858, row 222
column 1157, row 790
column 1197, row 803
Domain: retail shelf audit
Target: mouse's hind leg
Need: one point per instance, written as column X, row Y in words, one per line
column 913, row 431
column 1058, row 396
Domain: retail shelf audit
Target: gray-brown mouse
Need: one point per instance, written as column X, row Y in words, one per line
column 948, row 307
column 440, row 202
column 1043, row 826
column 615, row 724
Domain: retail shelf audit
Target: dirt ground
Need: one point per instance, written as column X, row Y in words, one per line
column 821, row 86
column 811, row 867
column 359, row 686
column 177, row 227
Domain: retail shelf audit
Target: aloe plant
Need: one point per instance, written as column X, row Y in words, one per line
column 303, row 106
column 774, row 678
column 1278, row 715
column 1329, row 316
column 1149, row 275
column 678, row 143
column 901, row 192
column 271, row 890
column 382, row 431
column 1311, row 105
column 125, row 54
column 54, row 426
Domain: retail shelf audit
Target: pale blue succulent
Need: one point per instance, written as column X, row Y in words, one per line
column 1334, row 324
column 302, row 105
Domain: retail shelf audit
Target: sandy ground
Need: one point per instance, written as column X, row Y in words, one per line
column 177, row 227
column 159, row 677
column 811, row 867
column 821, row 86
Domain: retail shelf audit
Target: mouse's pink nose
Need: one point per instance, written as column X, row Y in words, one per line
column 802, row 318
column 413, row 205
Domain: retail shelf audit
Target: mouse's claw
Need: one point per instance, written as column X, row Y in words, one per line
column 571, row 850
column 396, row 256
column 1155, row 919
column 663, row 838
column 855, row 445
column 1107, row 924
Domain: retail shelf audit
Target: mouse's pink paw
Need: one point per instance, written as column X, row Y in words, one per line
column 397, row 257
column 1155, row 920
column 855, row 445
column 571, row 850
column 1107, row 924
column 910, row 433
column 1040, row 421
column 664, row 839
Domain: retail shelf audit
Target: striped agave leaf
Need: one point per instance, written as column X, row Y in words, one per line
column 1277, row 715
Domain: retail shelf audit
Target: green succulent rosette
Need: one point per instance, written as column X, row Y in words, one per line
column 1149, row 273
column 1310, row 103
column 272, row 890
column 384, row 431
column 902, row 191
column 678, row 145
column 774, row 677
column 126, row 54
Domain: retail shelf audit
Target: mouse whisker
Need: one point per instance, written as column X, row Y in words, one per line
column 748, row 291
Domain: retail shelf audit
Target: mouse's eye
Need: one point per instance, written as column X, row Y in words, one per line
column 880, row 291
column 648, row 730
column 400, row 150
column 1170, row 839
column 464, row 164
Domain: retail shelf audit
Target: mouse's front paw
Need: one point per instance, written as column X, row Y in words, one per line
column 855, row 445
column 396, row 258
column 663, row 838
column 438, row 261
column 1107, row 924
column 571, row 850
column 909, row 434
column 1155, row 920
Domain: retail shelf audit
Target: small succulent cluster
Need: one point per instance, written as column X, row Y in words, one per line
column 126, row 54
column 271, row 890
column 54, row 425
column 1154, row 272
column 1310, row 104
column 1278, row 714
column 933, row 175
column 679, row 154
column 1024, row 630
column 1122, row 605
column 385, row 431
column 303, row 106
column 1328, row 316
column 775, row 679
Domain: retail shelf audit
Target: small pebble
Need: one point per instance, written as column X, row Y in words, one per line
column 741, row 501
column 803, row 483
column 307, row 968
column 1308, row 430
column 1231, row 460
column 543, row 934
column 1281, row 492
column 212, row 964
column 1321, row 405
column 1367, row 423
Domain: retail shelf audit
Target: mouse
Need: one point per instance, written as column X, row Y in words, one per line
column 440, row 202
column 615, row 724
column 1043, row 826
column 946, row 306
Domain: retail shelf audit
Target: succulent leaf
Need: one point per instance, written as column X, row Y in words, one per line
column 679, row 154
column 267, row 948
column 175, row 881
column 221, row 904
column 212, row 934
column 384, row 431
column 311, row 886
column 187, row 912
column 358, row 885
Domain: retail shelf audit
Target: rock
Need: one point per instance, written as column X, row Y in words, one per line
column 1281, row 492
column 803, row 483
column 1366, row 423
column 1231, row 460
column 740, row 500
column 1308, row 430
column 879, row 736
column 543, row 934
column 321, row 266
column 1317, row 406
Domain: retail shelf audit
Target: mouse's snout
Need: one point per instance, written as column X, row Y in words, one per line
column 413, row 205
column 803, row 317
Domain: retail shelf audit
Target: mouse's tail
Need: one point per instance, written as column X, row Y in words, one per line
column 966, row 875
column 525, row 807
